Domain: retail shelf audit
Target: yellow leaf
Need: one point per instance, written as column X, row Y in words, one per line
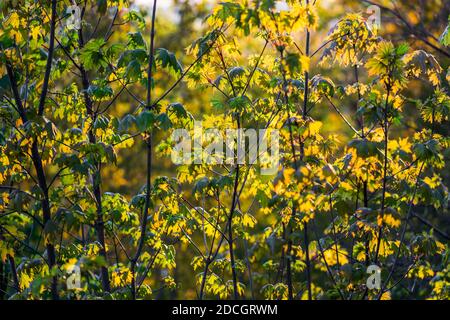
column 248, row 220
column 14, row 20
column 35, row 32
column 305, row 61
column 386, row 296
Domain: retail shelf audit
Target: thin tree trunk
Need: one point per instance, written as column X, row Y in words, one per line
column 148, row 142
column 286, row 258
column 230, row 231
column 305, row 224
column 35, row 156
column 365, row 186
column 385, row 165
column 3, row 280
column 12, row 266
column 48, row 68
column 96, row 176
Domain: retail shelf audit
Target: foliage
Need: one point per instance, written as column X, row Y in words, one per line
column 83, row 110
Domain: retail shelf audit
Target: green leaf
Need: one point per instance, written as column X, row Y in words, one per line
column 428, row 150
column 179, row 110
column 139, row 55
column 138, row 201
column 402, row 49
column 136, row 16
column 133, row 71
column 100, row 93
column 127, row 122
column 239, row 103
column 445, row 37
column 67, row 178
column 92, row 54
column 217, row 104
column 293, row 62
column 364, row 147
column 111, row 154
column 164, row 121
column 135, row 40
column 101, row 122
column 200, row 185
column 323, row 85
column 167, row 60
column 114, row 50
column 236, row 72
column 145, row 120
